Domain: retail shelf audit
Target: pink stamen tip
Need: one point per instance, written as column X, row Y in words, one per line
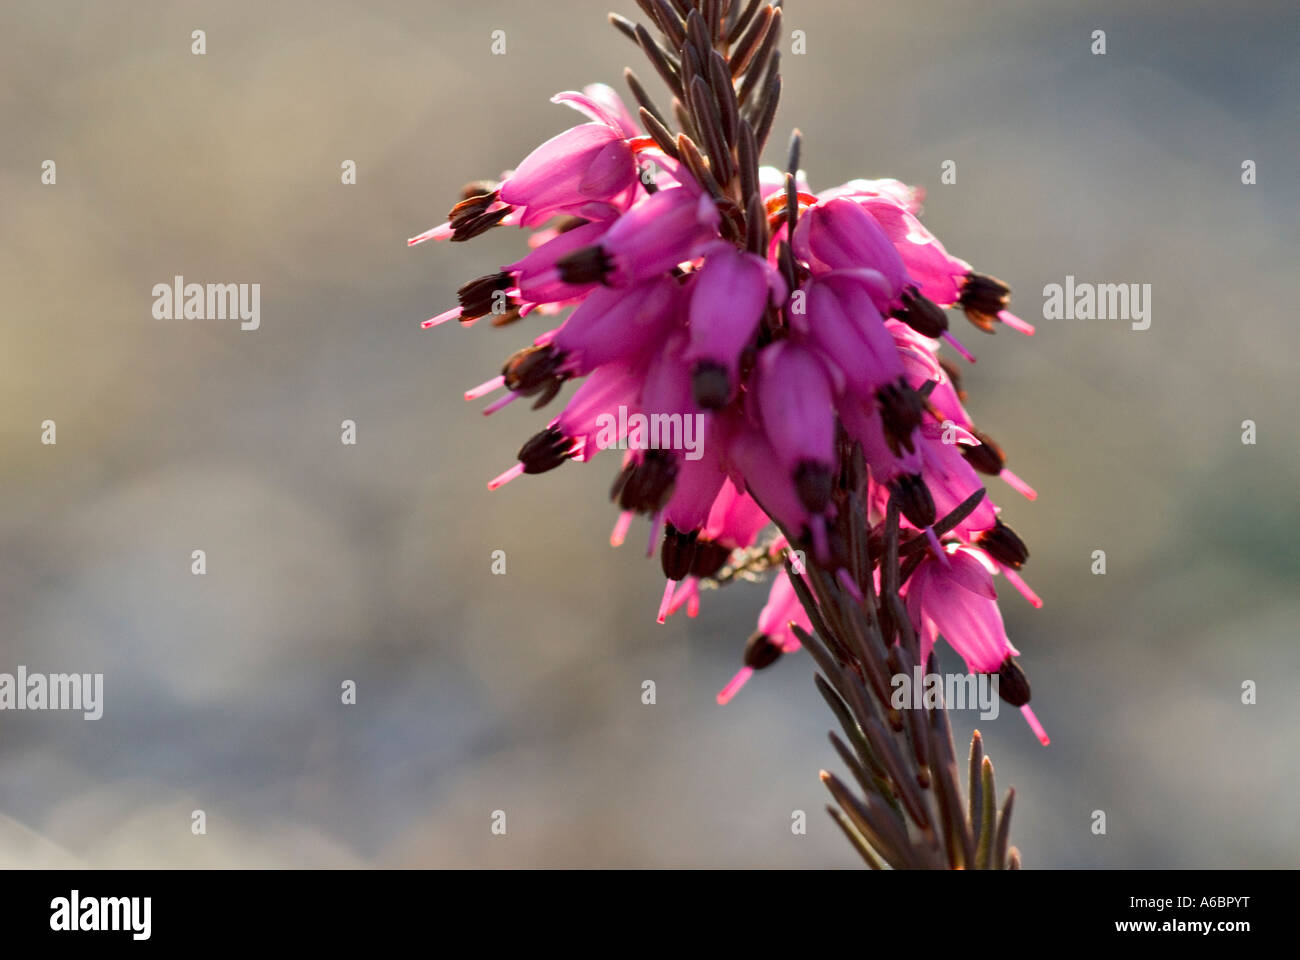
column 1015, row 323
column 1018, row 485
column 663, row 604
column 846, row 581
column 1035, row 726
column 733, row 687
column 440, row 232
column 483, row 389
column 506, row 477
column 500, row 402
column 621, row 526
column 440, row 319
column 655, row 526
column 1020, row 585
column 693, row 605
column 682, row 594
column 936, row 546
column 956, row 345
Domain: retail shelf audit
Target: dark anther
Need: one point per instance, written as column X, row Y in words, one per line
column 474, row 205
column 814, row 483
column 1013, row 685
column 954, row 374
column 480, row 297
column 1002, row 544
column 987, row 458
column 922, row 314
column 477, row 188
column 585, row 265
column 983, row 297
column 761, row 652
column 650, row 483
column 710, row 557
column 710, row 385
column 545, row 451
column 471, row 228
column 533, row 369
column 678, row 552
column 900, row 411
column 914, row 500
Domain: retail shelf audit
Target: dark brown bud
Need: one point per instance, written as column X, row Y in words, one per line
column 533, row 369
column 1002, row 544
column 469, row 229
column 650, row 483
column 545, row 451
column 987, row 458
column 470, row 217
column 761, row 652
column 813, row 483
column 472, row 206
column 478, row 188
column 678, row 552
column 1013, row 685
column 922, row 314
column 983, row 297
column 914, row 500
column 480, row 297
column 901, row 410
column 710, row 557
column 585, row 265
column 710, row 385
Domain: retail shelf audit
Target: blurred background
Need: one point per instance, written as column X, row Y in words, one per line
column 372, row 563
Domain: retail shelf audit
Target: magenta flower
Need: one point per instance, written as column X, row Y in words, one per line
column 730, row 293
column 775, row 634
column 957, row 599
column 797, row 334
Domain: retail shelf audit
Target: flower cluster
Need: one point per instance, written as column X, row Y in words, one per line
column 802, row 330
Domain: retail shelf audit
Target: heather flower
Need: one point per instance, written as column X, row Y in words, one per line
column 958, row 600
column 803, row 331
column 729, row 296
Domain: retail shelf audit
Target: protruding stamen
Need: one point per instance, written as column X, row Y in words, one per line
column 733, row 686
column 1018, row 582
column 506, row 477
column 1018, row 485
column 656, row 524
column 440, row 319
column 483, row 389
column 621, row 526
column 1035, row 726
column 668, row 598
column 687, row 591
column 1015, row 323
column 500, row 402
column 440, row 232
column 956, row 345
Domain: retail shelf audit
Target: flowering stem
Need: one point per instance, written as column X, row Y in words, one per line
column 910, row 813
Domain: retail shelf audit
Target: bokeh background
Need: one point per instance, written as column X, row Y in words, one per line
column 522, row 692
